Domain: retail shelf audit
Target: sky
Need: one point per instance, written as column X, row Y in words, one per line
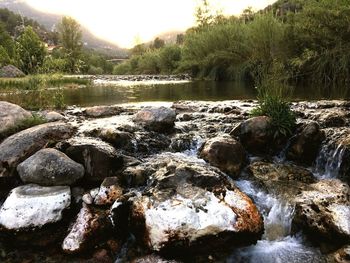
column 130, row 22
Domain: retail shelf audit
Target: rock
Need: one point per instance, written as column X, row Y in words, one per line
column 324, row 211
column 119, row 139
column 284, row 180
column 147, row 143
column 156, row 119
column 134, row 176
column 109, row 192
column 50, row 167
column 10, row 115
column 33, row 206
column 343, row 255
column 52, row 116
column 255, row 134
column 89, row 228
column 102, row 111
column 225, row 153
column 11, row 71
column 193, row 206
column 153, row 259
column 20, row 146
column 100, row 159
column 305, row 146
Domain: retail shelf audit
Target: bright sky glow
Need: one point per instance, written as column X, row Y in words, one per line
column 124, row 21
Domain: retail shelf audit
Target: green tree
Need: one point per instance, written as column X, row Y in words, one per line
column 4, row 57
column 7, row 42
column 158, row 43
column 31, row 51
column 70, row 38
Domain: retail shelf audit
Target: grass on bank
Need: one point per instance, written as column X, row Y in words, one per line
column 22, row 125
column 37, row 92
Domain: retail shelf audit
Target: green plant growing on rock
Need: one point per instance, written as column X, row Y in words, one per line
column 273, row 100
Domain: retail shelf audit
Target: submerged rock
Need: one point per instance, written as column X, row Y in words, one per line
column 33, row 206
column 160, row 119
column 22, row 145
column 10, row 115
column 225, row 153
column 324, row 211
column 50, row 167
column 100, row 159
column 89, row 228
column 305, row 146
column 193, row 206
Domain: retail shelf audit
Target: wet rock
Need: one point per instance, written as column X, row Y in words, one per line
column 335, row 118
column 50, row 167
column 33, row 206
column 324, row 211
column 255, row 134
column 225, row 153
column 20, row 146
column 119, row 139
column 11, row 71
column 153, row 259
column 100, row 159
column 134, row 176
column 192, row 206
column 10, row 115
column 182, row 142
column 160, row 119
column 305, row 146
column 147, row 143
column 89, row 228
column 102, row 111
column 109, row 192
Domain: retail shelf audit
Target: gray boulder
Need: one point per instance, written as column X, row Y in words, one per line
column 100, row 159
column 157, row 119
column 225, row 153
column 50, row 167
column 20, row 146
column 32, row 206
column 11, row 71
column 10, row 115
column 102, row 111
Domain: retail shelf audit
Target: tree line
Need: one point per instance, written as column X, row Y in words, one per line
column 24, row 43
column 299, row 41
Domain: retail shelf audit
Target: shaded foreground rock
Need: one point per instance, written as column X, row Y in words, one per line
column 50, row 167
column 20, row 146
column 225, row 153
column 100, row 159
column 157, row 119
column 89, row 228
column 305, row 146
column 192, row 206
column 324, row 211
column 33, row 206
column 10, row 115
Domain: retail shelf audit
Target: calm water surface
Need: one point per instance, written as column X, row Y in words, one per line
column 112, row 92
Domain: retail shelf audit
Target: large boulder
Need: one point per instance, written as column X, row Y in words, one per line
column 10, row 115
column 157, row 119
column 22, row 145
column 11, row 71
column 255, row 134
column 323, row 212
column 305, row 146
column 32, row 206
column 50, row 167
column 100, row 159
column 89, row 228
column 225, row 153
column 192, row 206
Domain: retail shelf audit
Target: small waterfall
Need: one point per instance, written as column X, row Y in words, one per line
column 330, row 158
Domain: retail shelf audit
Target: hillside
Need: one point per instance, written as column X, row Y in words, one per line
column 47, row 23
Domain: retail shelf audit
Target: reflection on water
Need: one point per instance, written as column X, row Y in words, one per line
column 197, row 90
column 113, row 92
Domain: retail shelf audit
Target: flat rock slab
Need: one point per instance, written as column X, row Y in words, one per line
column 11, row 114
column 50, row 167
column 22, row 145
column 33, row 206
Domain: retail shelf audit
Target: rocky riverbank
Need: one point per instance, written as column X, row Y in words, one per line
column 175, row 182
